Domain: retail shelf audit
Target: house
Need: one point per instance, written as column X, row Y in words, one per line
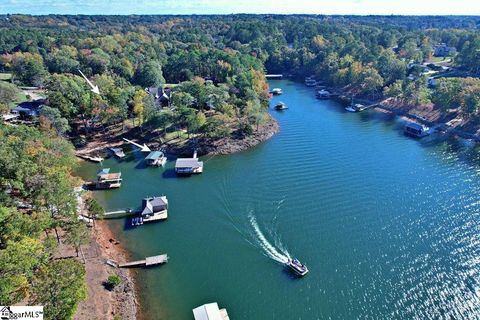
column 107, row 180
column 161, row 96
column 154, row 208
column 29, row 109
column 442, row 50
column 210, row 311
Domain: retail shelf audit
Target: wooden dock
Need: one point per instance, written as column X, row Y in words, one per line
column 274, row 76
column 119, row 213
column 148, row 262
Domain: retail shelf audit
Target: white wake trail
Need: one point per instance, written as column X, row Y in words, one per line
column 269, row 249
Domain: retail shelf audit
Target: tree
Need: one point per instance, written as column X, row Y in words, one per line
column 95, row 210
column 14, row 283
column 395, row 90
column 76, row 235
column 139, row 105
column 8, row 94
column 59, row 286
column 52, row 118
column 112, row 281
column 28, row 68
column 149, row 75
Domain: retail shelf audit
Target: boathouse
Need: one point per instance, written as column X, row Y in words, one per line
column 154, row 208
column 416, row 130
column 155, row 158
column 107, row 180
column 210, row 311
column 188, row 166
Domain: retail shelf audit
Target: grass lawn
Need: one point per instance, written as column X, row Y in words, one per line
column 180, row 135
column 5, row 76
column 21, row 97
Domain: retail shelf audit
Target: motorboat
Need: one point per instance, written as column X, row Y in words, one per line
column 296, row 266
column 277, row 91
column 323, row 94
column 280, row 106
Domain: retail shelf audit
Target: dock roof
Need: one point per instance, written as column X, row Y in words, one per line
column 154, row 155
column 151, row 203
column 415, row 126
column 188, row 163
column 209, row 311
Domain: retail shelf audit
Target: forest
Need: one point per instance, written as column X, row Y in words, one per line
column 214, row 68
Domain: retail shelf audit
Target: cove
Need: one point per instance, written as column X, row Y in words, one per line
column 388, row 226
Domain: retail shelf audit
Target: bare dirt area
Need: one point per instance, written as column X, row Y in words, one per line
column 120, row 303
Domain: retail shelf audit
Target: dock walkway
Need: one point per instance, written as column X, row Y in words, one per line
column 149, row 261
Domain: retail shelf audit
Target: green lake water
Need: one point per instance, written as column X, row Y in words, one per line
column 388, row 226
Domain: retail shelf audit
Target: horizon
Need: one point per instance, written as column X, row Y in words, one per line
column 217, row 7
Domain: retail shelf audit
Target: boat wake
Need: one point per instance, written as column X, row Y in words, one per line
column 278, row 254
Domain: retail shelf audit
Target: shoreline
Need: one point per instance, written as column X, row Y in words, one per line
column 121, row 302
column 205, row 147
column 449, row 123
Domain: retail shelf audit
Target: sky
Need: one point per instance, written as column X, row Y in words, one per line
column 362, row 7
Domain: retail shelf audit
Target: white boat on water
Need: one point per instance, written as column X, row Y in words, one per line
column 277, row 91
column 296, row 266
column 355, row 107
column 323, row 94
column 280, row 106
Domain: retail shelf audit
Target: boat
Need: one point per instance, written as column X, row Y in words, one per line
column 118, row 152
column 296, row 266
column 310, row 82
column 280, row 106
column 277, row 91
column 355, row 107
column 323, row 94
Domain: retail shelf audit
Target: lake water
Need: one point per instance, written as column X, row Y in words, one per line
column 388, row 226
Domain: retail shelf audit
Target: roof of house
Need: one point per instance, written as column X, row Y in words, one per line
column 209, row 311
column 150, row 203
column 30, row 107
column 154, row 155
column 188, row 163
column 160, row 93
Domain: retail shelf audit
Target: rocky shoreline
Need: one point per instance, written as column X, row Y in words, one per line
column 204, row 146
column 119, row 303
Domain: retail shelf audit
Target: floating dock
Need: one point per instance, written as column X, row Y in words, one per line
column 148, row 262
column 274, row 76
column 89, row 158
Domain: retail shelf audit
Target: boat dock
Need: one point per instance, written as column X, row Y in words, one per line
column 147, row 262
column 120, row 213
column 89, row 158
column 274, row 76
column 369, row 107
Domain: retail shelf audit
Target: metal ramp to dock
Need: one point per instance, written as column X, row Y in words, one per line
column 147, row 262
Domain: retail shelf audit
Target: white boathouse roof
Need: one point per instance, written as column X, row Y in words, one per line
column 210, row 311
